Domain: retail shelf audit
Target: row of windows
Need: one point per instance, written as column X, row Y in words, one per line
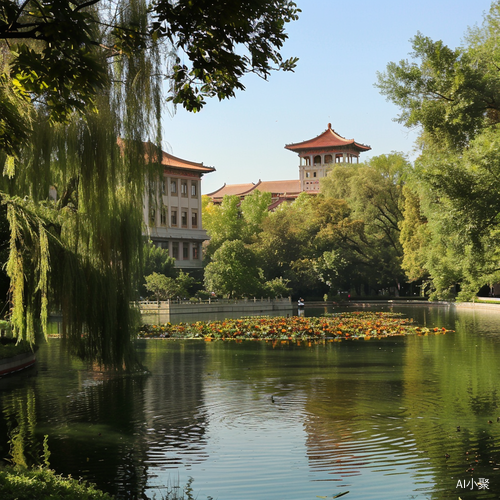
column 175, row 217
column 308, row 174
column 177, row 186
column 176, row 247
column 338, row 158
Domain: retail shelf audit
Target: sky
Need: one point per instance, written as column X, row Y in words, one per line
column 341, row 46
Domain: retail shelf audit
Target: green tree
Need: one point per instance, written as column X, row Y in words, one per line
column 74, row 77
column 222, row 222
column 165, row 287
column 234, row 219
column 277, row 287
column 372, row 192
column 57, row 50
column 254, row 209
column 156, row 260
column 233, row 271
column 414, row 236
column 453, row 96
column 184, row 282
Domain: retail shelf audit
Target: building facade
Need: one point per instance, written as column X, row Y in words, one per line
column 318, row 155
column 172, row 210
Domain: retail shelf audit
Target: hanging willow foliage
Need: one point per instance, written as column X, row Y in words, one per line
column 80, row 253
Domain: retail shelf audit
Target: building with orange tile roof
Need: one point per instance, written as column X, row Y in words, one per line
column 232, row 190
column 172, row 209
column 316, row 155
column 281, row 191
column 319, row 154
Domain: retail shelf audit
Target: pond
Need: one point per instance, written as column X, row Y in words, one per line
column 409, row 417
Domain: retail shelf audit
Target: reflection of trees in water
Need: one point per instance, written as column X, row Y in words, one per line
column 350, row 426
column 107, row 427
column 19, row 443
column 99, row 431
column 174, row 406
column 406, row 416
column 451, row 394
column 91, row 428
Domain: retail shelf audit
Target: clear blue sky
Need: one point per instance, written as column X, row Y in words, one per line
column 341, row 46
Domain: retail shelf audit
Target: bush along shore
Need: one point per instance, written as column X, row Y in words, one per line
column 18, row 483
column 10, row 347
column 335, row 327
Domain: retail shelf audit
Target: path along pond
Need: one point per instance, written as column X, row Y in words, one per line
column 396, row 418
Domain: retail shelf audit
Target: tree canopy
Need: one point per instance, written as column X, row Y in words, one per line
column 450, row 230
column 74, row 77
column 346, row 238
column 57, row 52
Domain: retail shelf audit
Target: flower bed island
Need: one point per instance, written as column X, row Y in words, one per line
column 336, row 327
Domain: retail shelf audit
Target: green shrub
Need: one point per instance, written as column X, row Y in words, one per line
column 43, row 484
column 10, row 349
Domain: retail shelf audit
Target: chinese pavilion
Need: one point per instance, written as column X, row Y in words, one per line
column 319, row 154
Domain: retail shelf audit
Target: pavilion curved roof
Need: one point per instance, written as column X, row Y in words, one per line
column 329, row 139
column 167, row 160
column 279, row 187
column 290, row 187
column 232, row 189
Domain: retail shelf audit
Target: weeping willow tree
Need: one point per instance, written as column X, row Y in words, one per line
column 80, row 115
column 78, row 250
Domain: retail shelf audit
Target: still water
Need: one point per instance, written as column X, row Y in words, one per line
column 399, row 418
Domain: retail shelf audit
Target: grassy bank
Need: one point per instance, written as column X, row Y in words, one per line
column 44, row 484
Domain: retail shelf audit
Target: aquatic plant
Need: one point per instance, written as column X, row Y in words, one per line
column 351, row 325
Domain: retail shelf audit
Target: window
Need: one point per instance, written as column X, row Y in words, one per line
column 173, row 186
column 194, row 189
column 184, row 219
column 152, row 216
column 173, row 218
column 185, row 251
column 175, row 249
column 328, row 158
column 184, row 188
column 317, row 160
column 194, row 219
column 163, row 216
column 314, row 174
column 196, row 251
column 163, row 186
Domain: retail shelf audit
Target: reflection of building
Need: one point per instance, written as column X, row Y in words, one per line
column 172, row 210
column 319, row 154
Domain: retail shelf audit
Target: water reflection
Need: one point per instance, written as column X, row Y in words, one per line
column 392, row 418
